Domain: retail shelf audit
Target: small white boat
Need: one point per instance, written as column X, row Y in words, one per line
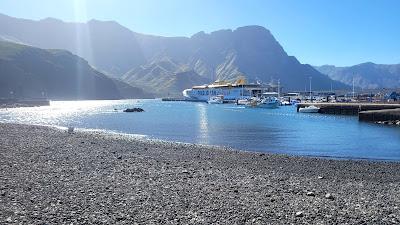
column 264, row 102
column 252, row 102
column 269, row 102
column 219, row 99
column 242, row 101
column 309, row 109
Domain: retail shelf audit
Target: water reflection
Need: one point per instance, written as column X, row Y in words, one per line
column 281, row 130
column 203, row 123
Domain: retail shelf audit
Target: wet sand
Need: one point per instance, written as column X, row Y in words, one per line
column 48, row 176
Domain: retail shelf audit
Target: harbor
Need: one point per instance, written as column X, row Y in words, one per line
column 280, row 130
column 348, row 108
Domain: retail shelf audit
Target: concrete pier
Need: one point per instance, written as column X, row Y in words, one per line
column 380, row 115
column 348, row 108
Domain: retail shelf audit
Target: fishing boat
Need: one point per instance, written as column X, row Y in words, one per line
column 218, row 99
column 309, row 109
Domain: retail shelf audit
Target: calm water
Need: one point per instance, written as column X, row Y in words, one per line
column 280, row 130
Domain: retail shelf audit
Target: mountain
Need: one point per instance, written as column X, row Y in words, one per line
column 141, row 59
column 29, row 72
column 251, row 51
column 108, row 46
column 366, row 75
column 164, row 76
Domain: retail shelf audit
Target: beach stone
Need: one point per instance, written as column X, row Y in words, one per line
column 70, row 130
column 329, row 196
column 310, row 193
column 89, row 185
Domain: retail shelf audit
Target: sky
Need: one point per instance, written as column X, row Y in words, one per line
column 317, row 32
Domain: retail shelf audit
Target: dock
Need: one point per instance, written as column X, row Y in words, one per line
column 380, row 115
column 349, row 108
column 180, row 100
column 191, row 100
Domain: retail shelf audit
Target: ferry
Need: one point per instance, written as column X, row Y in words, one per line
column 231, row 91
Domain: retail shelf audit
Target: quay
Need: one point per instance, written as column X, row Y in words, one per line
column 180, row 100
column 190, row 100
column 349, row 108
column 380, row 115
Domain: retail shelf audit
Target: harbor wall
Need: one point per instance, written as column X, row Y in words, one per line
column 380, row 115
column 348, row 108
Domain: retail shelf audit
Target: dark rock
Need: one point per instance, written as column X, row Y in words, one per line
column 310, row 193
column 134, row 110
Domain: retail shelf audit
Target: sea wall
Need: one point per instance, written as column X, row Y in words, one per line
column 348, row 108
column 380, row 115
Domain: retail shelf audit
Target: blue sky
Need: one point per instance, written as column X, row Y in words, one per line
column 338, row 32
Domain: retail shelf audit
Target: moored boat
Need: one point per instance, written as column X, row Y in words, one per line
column 219, row 99
column 231, row 91
column 309, row 109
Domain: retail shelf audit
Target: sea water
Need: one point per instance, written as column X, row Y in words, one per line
column 280, row 130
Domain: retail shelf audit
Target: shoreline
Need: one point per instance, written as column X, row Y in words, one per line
column 50, row 176
column 138, row 137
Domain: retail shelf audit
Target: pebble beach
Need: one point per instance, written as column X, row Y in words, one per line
column 50, row 176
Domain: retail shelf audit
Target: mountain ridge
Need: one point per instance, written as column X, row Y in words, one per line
column 366, row 75
column 30, row 72
column 250, row 51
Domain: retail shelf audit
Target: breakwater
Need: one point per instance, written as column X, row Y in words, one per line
column 348, row 108
column 380, row 115
column 180, row 100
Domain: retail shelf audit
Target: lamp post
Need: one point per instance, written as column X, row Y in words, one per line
column 310, row 91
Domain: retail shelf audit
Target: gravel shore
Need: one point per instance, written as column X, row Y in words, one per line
column 48, row 176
